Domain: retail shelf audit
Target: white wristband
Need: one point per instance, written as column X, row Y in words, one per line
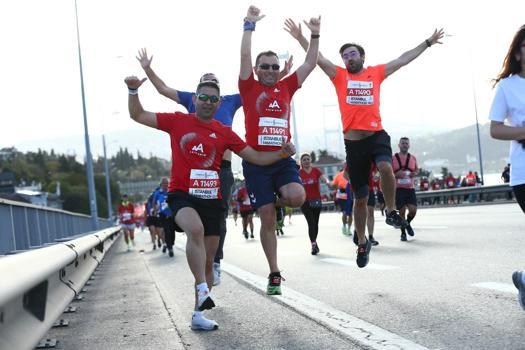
column 133, row 91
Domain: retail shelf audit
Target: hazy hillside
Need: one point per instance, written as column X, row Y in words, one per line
column 458, row 150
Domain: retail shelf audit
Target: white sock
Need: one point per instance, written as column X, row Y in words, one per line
column 202, row 288
column 197, row 314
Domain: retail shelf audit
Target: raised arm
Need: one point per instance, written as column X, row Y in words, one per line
column 157, row 82
column 295, row 31
column 287, row 68
column 252, row 17
column 267, row 158
column 312, row 53
column 136, row 112
column 411, row 55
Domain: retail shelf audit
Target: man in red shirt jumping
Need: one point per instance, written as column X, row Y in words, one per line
column 198, row 143
column 266, row 103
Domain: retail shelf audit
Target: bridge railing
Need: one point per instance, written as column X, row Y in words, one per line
column 36, row 286
column 26, row 226
column 457, row 195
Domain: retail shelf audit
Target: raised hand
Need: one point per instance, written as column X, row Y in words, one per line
column 292, row 28
column 436, row 37
column 314, row 25
column 287, row 66
column 254, row 14
column 145, row 62
column 133, row 82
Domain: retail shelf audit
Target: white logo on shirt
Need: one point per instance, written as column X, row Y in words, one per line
column 212, row 135
column 252, row 197
column 198, row 148
column 274, row 104
column 276, row 90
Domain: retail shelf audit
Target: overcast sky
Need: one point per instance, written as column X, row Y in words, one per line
column 40, row 72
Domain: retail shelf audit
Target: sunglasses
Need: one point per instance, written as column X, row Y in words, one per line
column 350, row 54
column 204, row 98
column 266, row 66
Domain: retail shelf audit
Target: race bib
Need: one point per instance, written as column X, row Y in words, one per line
column 204, row 184
column 359, row 92
column 404, row 181
column 126, row 216
column 272, row 131
column 246, row 201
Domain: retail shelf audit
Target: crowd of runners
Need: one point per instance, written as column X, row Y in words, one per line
column 195, row 199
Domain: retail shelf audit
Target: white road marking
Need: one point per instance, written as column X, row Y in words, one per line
column 500, row 287
column 352, row 263
column 364, row 333
column 417, row 227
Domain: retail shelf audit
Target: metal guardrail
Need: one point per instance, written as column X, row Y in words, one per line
column 26, row 226
column 465, row 194
column 36, row 286
column 459, row 194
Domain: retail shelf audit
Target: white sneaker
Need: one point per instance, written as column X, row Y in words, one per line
column 216, row 274
column 205, row 302
column 199, row 322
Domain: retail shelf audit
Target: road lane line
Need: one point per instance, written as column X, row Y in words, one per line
column 500, row 287
column 351, row 263
column 360, row 331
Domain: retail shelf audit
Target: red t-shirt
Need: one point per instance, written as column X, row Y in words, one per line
column 358, row 97
column 125, row 214
column 244, row 200
column 450, row 181
column 311, row 183
column 196, row 152
column 267, row 112
column 406, row 180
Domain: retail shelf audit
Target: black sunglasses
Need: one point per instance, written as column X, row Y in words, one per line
column 204, row 98
column 266, row 66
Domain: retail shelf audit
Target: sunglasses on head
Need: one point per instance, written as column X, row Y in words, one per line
column 266, row 66
column 204, row 98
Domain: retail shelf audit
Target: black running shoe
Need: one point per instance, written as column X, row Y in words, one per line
column 315, row 248
column 373, row 241
column 158, row 243
column 362, row 253
column 410, row 230
column 403, row 235
column 164, row 247
column 245, row 233
column 393, row 219
column 355, row 238
column 170, row 252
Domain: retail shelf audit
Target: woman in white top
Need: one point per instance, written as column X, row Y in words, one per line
column 509, row 106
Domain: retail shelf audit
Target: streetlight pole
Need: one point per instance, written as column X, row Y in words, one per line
column 89, row 159
column 106, row 170
column 477, row 132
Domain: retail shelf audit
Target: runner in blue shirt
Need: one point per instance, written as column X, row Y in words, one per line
column 165, row 215
column 225, row 114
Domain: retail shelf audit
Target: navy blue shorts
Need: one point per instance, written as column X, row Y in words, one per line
column 263, row 182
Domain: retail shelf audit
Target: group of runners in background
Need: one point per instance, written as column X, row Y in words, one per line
column 195, row 199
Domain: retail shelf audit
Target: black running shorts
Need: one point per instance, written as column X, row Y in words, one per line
column 405, row 196
column 359, row 156
column 210, row 211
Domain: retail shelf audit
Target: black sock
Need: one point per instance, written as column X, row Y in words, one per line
column 410, row 217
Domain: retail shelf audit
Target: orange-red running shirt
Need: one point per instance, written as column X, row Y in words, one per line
column 358, row 97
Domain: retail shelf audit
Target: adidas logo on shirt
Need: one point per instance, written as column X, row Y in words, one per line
column 213, row 136
column 276, row 90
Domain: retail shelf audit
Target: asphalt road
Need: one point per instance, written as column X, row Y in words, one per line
column 449, row 287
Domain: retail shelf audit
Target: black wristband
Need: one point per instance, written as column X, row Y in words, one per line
column 315, row 36
column 428, row 43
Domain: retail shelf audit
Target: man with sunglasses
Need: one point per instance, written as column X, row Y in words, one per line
column 266, row 104
column 366, row 142
column 224, row 114
column 198, row 143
